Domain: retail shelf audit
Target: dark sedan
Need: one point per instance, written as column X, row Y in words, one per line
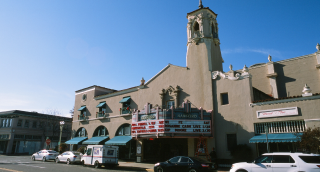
column 184, row 164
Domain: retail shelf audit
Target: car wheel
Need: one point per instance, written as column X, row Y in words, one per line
column 192, row 170
column 33, row 158
column 159, row 169
column 96, row 164
column 68, row 161
column 57, row 160
column 242, row 171
column 44, row 159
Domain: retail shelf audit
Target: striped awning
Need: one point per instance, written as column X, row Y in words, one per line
column 76, row 140
column 274, row 138
column 96, row 140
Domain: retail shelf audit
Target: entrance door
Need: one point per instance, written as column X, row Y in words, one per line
column 262, row 164
column 14, row 147
column 88, row 156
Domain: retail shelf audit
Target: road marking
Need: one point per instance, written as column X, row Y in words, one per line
column 32, row 166
column 10, row 170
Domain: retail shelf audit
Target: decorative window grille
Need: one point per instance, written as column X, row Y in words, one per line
column 280, row 127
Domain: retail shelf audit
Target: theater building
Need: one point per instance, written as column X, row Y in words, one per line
column 186, row 110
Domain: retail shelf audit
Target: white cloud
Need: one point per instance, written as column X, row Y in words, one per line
column 273, row 53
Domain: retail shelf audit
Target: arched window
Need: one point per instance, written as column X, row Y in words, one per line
column 124, row 130
column 196, row 26
column 82, row 132
column 214, row 33
column 101, row 131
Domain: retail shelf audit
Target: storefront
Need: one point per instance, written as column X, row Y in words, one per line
column 164, row 133
column 124, row 140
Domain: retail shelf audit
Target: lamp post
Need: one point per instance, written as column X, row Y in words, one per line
column 267, row 131
column 61, row 127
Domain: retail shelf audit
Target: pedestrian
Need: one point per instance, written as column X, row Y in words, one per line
column 213, row 156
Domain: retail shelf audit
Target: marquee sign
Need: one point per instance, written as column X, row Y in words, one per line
column 171, row 126
column 290, row 111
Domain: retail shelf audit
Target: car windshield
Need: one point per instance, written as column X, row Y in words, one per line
column 200, row 160
column 52, row 151
column 311, row 159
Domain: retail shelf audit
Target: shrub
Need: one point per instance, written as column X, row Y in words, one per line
column 309, row 140
column 81, row 149
column 63, row 147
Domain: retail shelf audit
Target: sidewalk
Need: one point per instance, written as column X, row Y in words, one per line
column 133, row 166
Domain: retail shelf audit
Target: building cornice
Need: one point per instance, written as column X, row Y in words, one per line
column 117, row 93
column 284, row 101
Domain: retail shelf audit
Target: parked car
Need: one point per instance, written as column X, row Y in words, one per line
column 44, row 155
column 69, row 157
column 184, row 163
column 280, row 162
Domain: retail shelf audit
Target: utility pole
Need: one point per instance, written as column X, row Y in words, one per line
column 61, row 127
column 267, row 131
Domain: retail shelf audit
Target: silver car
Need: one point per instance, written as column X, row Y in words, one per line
column 44, row 155
column 69, row 157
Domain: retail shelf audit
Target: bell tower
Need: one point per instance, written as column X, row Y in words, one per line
column 203, row 40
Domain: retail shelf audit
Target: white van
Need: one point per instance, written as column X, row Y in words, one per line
column 98, row 155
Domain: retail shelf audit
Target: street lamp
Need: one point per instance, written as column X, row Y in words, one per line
column 61, row 127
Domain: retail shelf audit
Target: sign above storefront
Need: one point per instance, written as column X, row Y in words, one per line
column 270, row 113
column 171, row 126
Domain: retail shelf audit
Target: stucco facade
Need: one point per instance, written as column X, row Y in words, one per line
column 233, row 98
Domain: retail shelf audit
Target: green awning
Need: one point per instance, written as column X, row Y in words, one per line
column 274, row 138
column 119, row 140
column 101, row 104
column 76, row 140
column 82, row 108
column 96, row 140
column 125, row 100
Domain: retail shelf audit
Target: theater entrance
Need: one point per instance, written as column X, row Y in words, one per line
column 162, row 149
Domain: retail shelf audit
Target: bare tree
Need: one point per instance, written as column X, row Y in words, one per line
column 72, row 111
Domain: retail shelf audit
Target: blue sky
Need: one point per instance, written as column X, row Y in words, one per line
column 49, row 49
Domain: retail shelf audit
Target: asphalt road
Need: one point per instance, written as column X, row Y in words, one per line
column 25, row 164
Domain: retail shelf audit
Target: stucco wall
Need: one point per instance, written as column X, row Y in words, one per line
column 293, row 74
column 308, row 109
column 259, row 78
column 195, row 83
column 235, row 117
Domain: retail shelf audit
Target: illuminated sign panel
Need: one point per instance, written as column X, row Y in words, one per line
column 171, row 126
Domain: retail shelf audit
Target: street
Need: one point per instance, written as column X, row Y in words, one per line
column 25, row 164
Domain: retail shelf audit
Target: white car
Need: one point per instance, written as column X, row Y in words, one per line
column 69, row 157
column 280, row 162
column 44, row 155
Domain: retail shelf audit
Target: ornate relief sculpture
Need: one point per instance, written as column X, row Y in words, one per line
column 230, row 76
